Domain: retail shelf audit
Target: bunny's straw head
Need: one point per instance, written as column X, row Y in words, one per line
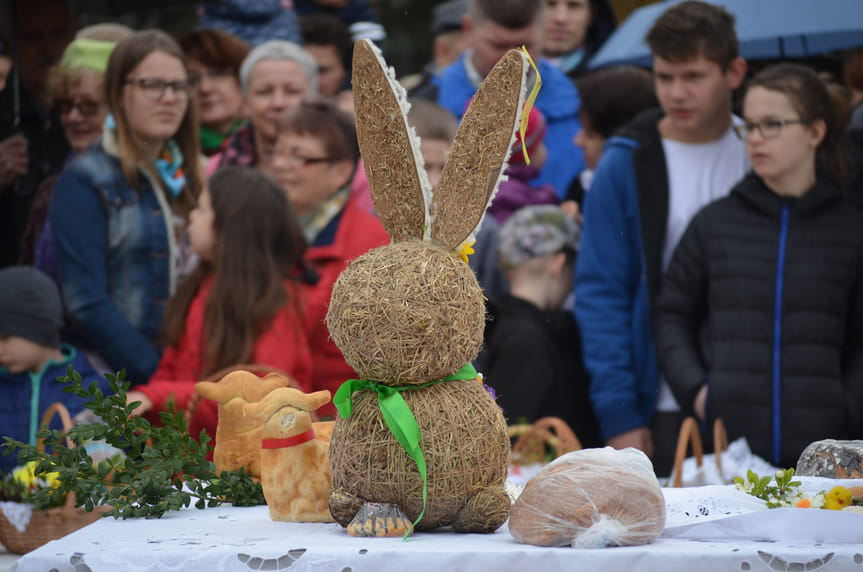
column 412, row 312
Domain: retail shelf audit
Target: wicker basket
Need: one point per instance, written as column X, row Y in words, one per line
column 53, row 523
column 533, row 442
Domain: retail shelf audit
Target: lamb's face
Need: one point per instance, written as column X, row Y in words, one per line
column 286, row 417
column 287, row 420
column 407, row 314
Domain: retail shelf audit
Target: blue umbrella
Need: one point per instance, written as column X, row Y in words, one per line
column 766, row 29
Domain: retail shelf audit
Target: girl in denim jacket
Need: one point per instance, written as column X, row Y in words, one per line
column 119, row 211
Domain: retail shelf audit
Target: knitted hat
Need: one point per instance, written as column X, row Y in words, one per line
column 533, row 231
column 84, row 53
column 533, row 135
column 447, row 16
column 30, row 306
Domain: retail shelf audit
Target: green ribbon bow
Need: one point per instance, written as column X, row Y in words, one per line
column 397, row 415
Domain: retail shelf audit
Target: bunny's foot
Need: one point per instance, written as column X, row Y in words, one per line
column 344, row 505
column 485, row 512
column 379, row 520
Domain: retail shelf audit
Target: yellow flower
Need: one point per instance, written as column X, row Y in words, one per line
column 467, row 249
column 27, row 476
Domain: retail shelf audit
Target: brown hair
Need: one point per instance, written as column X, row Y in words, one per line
column 129, row 52
column 511, row 14
column 259, row 246
column 322, row 118
column 813, row 100
column 694, row 28
column 432, row 121
column 215, row 49
column 328, row 30
column 611, row 97
column 852, row 69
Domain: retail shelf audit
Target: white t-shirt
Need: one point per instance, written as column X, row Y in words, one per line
column 698, row 173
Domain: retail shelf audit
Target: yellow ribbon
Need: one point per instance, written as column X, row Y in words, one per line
column 528, row 104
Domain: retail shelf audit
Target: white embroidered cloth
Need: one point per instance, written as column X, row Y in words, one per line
column 709, row 529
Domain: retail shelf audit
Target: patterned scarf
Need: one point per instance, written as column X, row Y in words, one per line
column 318, row 218
column 213, row 141
column 240, row 148
column 169, row 165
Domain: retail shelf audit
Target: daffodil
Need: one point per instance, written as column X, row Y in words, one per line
column 466, row 250
column 27, row 476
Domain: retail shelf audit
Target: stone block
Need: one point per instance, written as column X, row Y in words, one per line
column 832, row 459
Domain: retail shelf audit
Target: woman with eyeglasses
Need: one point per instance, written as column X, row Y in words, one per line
column 314, row 158
column 76, row 92
column 214, row 58
column 119, row 211
column 760, row 317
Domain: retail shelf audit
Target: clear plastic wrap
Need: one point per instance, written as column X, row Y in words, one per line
column 591, row 499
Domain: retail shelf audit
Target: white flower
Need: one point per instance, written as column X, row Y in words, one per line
column 817, row 500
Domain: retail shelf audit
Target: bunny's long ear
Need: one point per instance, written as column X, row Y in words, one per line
column 390, row 148
column 473, row 169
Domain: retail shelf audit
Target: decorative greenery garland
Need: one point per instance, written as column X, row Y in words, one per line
column 164, row 468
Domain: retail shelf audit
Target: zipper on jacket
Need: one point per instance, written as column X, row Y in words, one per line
column 777, row 337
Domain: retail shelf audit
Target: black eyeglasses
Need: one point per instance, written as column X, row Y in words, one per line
column 298, row 161
column 84, row 107
column 155, row 88
column 769, row 128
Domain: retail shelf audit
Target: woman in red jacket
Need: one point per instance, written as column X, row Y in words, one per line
column 314, row 159
column 243, row 303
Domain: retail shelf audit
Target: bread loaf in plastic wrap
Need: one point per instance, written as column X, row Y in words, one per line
column 591, row 499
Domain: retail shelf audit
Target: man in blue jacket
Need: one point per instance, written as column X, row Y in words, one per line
column 654, row 175
column 492, row 27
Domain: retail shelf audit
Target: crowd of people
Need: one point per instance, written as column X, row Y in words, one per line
column 675, row 242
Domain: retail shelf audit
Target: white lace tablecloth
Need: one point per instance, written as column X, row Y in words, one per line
column 708, row 528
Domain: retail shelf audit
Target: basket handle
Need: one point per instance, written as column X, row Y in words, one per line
column 720, row 441
column 58, row 409
column 688, row 434
column 531, row 438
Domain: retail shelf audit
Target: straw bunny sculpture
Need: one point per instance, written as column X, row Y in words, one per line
column 419, row 442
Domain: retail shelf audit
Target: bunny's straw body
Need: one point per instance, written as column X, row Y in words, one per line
column 410, row 314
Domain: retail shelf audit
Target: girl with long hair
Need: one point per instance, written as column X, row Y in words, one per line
column 243, row 304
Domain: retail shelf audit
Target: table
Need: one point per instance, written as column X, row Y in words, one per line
column 7, row 559
column 711, row 528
